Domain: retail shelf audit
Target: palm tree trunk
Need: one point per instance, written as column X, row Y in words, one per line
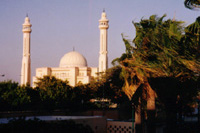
column 138, row 120
column 151, row 111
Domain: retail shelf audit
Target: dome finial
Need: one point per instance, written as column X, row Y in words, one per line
column 26, row 14
column 103, row 9
column 73, row 48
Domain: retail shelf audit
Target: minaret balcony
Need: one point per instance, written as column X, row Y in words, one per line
column 103, row 26
column 27, row 30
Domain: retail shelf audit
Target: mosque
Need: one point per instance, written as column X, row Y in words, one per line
column 73, row 65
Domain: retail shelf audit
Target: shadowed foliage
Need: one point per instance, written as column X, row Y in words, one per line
column 37, row 126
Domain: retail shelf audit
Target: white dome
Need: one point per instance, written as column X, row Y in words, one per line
column 73, row 59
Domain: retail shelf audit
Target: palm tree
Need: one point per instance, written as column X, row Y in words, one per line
column 157, row 54
column 192, row 4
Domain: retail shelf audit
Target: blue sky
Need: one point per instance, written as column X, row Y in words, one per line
column 60, row 25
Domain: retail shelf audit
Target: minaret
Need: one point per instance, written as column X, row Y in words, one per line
column 103, row 57
column 26, row 61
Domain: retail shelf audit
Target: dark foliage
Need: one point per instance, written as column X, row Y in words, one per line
column 36, row 126
column 50, row 94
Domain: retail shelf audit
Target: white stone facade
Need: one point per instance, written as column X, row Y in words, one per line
column 74, row 75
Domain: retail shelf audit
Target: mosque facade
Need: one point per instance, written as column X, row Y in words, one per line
column 73, row 66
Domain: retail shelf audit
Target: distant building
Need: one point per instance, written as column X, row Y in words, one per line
column 73, row 65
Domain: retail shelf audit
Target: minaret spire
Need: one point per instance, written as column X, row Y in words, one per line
column 103, row 53
column 174, row 18
column 26, row 61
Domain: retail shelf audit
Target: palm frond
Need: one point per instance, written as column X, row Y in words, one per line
column 192, row 4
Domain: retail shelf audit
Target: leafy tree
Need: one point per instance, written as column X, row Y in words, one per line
column 113, row 82
column 13, row 97
column 5, row 88
column 35, row 100
column 108, row 85
column 54, row 92
column 82, row 93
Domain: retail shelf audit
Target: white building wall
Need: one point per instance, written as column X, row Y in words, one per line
column 74, row 74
